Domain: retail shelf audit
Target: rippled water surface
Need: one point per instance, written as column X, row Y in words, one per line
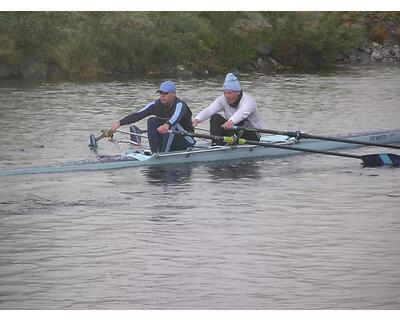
column 299, row 232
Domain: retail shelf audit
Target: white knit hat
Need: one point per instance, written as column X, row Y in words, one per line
column 231, row 83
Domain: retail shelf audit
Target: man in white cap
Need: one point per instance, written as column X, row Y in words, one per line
column 170, row 113
column 240, row 110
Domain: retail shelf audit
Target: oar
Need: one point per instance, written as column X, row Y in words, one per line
column 93, row 139
column 370, row 160
column 302, row 135
column 107, row 133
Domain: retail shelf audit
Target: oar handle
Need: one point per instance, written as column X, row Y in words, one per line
column 99, row 137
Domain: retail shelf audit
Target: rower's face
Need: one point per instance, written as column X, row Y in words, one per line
column 231, row 96
column 167, row 97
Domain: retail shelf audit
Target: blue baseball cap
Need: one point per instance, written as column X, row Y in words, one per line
column 167, row 86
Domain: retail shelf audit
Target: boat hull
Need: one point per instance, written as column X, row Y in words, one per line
column 226, row 153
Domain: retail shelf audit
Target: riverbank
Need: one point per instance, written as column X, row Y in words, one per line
column 99, row 45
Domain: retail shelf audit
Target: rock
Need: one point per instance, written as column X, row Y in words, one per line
column 31, row 69
column 262, row 66
column 375, row 45
column 363, row 57
column 183, row 72
column 396, row 52
column 268, row 65
column 54, row 71
column 365, row 47
column 260, row 62
column 263, row 49
column 354, row 58
column 6, row 71
column 276, row 64
column 386, row 52
column 377, row 55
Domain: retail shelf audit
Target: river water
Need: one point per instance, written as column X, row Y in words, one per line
column 302, row 232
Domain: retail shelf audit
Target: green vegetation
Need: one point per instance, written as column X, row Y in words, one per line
column 87, row 45
column 311, row 40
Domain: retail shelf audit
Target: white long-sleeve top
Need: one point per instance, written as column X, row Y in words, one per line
column 247, row 109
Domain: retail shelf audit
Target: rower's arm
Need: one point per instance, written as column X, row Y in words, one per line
column 138, row 115
column 213, row 108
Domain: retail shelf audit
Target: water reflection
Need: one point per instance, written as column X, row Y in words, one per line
column 234, row 170
column 169, row 213
column 168, row 175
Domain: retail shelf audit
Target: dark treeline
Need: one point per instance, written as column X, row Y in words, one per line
column 88, row 45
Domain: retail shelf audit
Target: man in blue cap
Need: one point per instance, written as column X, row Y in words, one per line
column 169, row 113
column 240, row 110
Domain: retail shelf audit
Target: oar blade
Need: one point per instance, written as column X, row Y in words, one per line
column 93, row 139
column 92, row 142
column 135, row 137
column 381, row 159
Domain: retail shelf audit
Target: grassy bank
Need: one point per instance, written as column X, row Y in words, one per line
column 88, row 45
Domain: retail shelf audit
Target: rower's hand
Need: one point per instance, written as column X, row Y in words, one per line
column 228, row 125
column 108, row 133
column 115, row 126
column 163, row 129
column 195, row 122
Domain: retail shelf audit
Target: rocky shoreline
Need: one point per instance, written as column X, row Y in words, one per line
column 373, row 53
column 368, row 53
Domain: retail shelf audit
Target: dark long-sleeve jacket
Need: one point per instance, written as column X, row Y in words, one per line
column 177, row 113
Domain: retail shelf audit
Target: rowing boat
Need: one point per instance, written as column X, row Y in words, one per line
column 205, row 152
